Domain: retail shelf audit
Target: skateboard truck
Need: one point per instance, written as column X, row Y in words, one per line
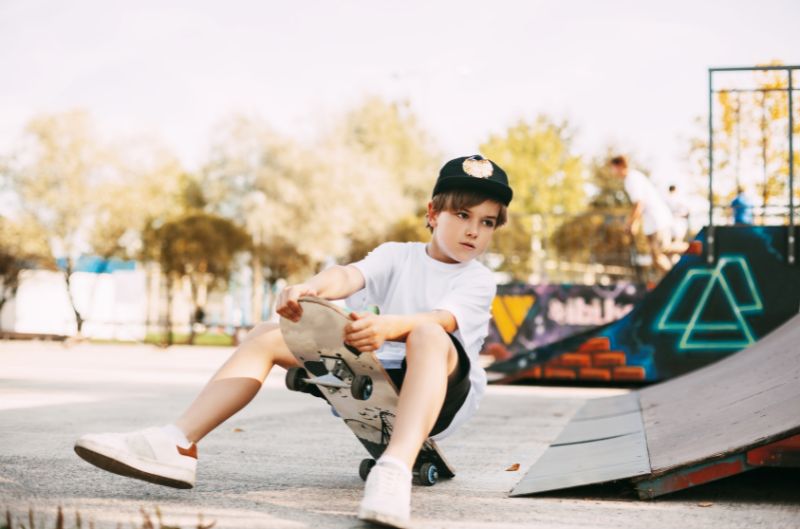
column 298, row 379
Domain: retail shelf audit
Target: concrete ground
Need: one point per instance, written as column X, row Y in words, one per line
column 285, row 462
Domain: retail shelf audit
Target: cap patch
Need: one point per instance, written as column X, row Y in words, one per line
column 478, row 167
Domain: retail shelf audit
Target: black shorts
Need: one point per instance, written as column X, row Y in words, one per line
column 457, row 388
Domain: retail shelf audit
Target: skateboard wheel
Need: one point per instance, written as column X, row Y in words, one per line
column 295, row 379
column 428, row 474
column 361, row 388
column 365, row 467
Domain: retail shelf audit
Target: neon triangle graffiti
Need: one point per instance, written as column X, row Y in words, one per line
column 716, row 320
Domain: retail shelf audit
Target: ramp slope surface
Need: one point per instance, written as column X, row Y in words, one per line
column 696, row 428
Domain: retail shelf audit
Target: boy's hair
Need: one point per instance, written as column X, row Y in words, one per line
column 458, row 199
column 619, row 161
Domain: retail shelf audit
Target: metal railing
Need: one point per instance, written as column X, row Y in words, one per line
column 790, row 89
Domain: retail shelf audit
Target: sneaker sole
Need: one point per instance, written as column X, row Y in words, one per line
column 382, row 519
column 117, row 467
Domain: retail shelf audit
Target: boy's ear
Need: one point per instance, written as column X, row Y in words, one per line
column 432, row 215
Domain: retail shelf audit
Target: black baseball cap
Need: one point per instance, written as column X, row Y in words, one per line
column 475, row 173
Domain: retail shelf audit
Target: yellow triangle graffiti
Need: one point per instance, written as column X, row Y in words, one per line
column 509, row 312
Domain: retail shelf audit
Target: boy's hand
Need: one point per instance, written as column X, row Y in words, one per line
column 287, row 305
column 368, row 331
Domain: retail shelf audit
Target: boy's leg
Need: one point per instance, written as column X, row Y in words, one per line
column 237, row 381
column 660, row 259
column 431, row 358
column 161, row 454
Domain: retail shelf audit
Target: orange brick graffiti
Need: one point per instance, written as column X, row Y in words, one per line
column 592, row 361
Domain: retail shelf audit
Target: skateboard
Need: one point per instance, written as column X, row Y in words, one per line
column 354, row 383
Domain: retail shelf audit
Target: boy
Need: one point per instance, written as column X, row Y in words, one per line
column 434, row 301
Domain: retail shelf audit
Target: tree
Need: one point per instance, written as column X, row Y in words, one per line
column 306, row 204
column 388, row 135
column 410, row 228
column 385, row 165
column 598, row 234
column 277, row 190
column 199, row 246
column 546, row 174
column 18, row 250
column 54, row 173
column 79, row 195
column 512, row 243
column 548, row 178
column 152, row 187
column 773, row 114
column 750, row 140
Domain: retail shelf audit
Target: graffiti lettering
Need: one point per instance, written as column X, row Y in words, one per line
column 576, row 311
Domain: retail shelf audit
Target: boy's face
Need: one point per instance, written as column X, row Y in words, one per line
column 459, row 236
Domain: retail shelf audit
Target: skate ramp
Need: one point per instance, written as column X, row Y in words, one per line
column 735, row 415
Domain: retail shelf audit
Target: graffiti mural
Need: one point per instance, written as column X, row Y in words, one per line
column 529, row 316
column 697, row 314
column 703, row 330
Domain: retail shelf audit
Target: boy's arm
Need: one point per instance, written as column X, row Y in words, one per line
column 336, row 282
column 369, row 331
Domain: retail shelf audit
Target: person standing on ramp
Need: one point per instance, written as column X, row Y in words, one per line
column 649, row 209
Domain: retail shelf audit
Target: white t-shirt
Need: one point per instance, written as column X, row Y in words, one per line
column 656, row 216
column 401, row 278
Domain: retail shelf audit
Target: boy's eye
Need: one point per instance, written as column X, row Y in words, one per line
column 489, row 223
column 462, row 215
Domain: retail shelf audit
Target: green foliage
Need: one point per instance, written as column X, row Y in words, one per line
column 594, row 237
column 273, row 187
column 80, row 195
column 512, row 243
column 152, row 187
column 384, row 165
column 609, row 191
column 598, row 234
column 750, row 139
column 388, row 135
column 206, row 339
column 304, row 205
column 280, row 259
column 15, row 256
column 199, row 245
column 410, row 228
column 53, row 172
column 547, row 176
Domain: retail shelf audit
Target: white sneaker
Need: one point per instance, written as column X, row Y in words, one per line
column 387, row 496
column 150, row 455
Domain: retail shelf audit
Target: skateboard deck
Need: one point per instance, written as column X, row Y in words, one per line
column 354, row 383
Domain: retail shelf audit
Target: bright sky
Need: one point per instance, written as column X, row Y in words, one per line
column 632, row 73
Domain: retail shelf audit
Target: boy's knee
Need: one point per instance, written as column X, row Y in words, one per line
column 262, row 333
column 428, row 334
